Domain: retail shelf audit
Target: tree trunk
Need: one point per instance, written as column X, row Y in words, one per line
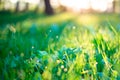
column 114, row 5
column 48, row 8
column 0, row 4
column 17, row 6
column 26, row 6
column 37, row 6
column 117, row 6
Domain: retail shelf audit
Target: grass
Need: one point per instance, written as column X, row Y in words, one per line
column 60, row 47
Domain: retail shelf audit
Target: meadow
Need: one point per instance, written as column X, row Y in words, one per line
column 65, row 46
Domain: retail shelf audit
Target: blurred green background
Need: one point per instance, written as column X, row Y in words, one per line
column 59, row 39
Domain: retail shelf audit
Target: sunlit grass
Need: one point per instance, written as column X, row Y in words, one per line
column 60, row 47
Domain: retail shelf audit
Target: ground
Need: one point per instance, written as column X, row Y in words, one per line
column 63, row 46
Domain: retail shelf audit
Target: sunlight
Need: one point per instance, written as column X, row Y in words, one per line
column 98, row 5
column 33, row 1
column 101, row 5
column 77, row 5
column 29, row 1
column 55, row 3
column 13, row 1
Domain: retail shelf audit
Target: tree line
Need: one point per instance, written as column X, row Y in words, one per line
column 48, row 9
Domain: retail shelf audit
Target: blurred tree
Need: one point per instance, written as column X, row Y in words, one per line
column 26, row 6
column 48, row 8
column 0, row 3
column 116, row 6
column 17, row 6
column 37, row 6
column 114, row 3
column 3, row 4
column 117, row 10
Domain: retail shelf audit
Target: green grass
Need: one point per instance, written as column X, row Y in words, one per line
column 60, row 47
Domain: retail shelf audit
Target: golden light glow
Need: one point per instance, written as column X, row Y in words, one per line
column 99, row 5
column 33, row 1
column 29, row 1
column 13, row 1
column 77, row 5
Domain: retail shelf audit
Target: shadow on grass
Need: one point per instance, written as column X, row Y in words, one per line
column 8, row 17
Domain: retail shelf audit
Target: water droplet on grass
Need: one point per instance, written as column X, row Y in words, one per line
column 65, row 69
column 10, row 52
column 62, row 66
column 74, row 27
column 50, row 31
column 22, row 54
column 57, row 37
column 38, row 61
column 45, row 67
column 31, row 59
column 58, row 61
column 32, row 47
